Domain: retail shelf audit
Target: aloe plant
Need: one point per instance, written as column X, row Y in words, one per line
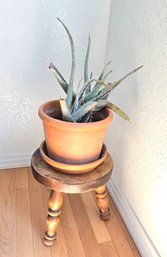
column 92, row 95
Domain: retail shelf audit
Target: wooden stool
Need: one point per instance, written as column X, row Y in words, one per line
column 60, row 183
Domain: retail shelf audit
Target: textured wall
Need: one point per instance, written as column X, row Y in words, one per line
column 30, row 38
column 137, row 35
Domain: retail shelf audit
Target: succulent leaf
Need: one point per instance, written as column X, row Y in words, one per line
column 71, row 81
column 103, row 103
column 79, row 107
column 87, row 118
column 97, row 91
column 104, row 93
column 86, row 65
column 60, row 78
column 106, row 75
column 83, row 110
column 78, row 100
column 103, row 72
column 91, row 75
column 115, row 84
column 66, row 114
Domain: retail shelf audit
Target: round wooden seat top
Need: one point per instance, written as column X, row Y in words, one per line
column 69, row 183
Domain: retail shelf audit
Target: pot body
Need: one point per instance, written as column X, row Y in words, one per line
column 69, row 142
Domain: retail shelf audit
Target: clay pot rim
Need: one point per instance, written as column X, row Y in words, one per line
column 71, row 125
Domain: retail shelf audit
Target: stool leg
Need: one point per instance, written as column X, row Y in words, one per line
column 53, row 218
column 102, row 202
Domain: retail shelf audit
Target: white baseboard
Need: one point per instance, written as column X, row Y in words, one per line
column 15, row 161
column 135, row 227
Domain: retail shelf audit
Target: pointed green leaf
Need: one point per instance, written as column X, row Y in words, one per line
column 102, row 73
column 115, row 84
column 83, row 110
column 103, row 103
column 106, row 75
column 87, row 118
column 66, row 115
column 86, row 65
column 60, row 78
column 96, row 90
column 104, row 93
column 76, row 102
column 71, row 81
column 79, row 97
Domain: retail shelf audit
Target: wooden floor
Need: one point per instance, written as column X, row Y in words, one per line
column 23, row 209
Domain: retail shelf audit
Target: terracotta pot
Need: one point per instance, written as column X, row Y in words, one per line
column 69, row 142
column 72, row 168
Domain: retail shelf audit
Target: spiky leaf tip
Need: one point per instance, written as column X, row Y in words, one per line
column 71, row 81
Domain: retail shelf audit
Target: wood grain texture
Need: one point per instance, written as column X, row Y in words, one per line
column 8, row 216
column 23, row 211
column 53, row 218
column 23, row 224
column 99, row 227
column 102, row 202
column 123, row 226
column 21, row 178
column 59, row 249
column 38, row 217
column 84, row 227
column 1, row 194
column 68, row 183
column 73, row 241
column 107, row 249
column 119, row 239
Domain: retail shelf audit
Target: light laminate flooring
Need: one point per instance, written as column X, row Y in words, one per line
column 23, row 210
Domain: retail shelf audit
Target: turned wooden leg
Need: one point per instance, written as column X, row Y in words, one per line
column 102, row 202
column 53, row 218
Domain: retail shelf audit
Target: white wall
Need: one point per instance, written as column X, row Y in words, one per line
column 138, row 35
column 30, row 38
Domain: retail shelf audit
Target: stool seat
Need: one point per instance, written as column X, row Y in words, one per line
column 60, row 183
column 70, row 183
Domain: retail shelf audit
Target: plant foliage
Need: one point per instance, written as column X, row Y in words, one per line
column 92, row 95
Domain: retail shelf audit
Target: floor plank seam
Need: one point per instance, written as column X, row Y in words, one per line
column 28, row 171
column 76, row 224
column 25, row 194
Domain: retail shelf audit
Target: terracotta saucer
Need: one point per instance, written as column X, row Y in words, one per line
column 72, row 168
